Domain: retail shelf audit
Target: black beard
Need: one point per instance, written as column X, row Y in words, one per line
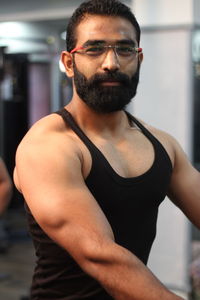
column 106, row 99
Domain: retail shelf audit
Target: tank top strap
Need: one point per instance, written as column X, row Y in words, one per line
column 98, row 156
column 69, row 120
column 144, row 130
column 159, row 148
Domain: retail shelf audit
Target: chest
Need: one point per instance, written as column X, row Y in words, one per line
column 129, row 156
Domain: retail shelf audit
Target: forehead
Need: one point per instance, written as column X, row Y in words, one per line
column 106, row 28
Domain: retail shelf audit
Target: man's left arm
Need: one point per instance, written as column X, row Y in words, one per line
column 184, row 188
column 5, row 187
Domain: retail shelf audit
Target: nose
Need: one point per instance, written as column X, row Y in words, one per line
column 111, row 61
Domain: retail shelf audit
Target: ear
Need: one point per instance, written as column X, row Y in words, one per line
column 67, row 61
column 141, row 57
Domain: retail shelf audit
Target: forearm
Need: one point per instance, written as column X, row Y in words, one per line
column 126, row 278
column 5, row 195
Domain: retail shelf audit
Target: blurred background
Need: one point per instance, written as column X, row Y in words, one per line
column 33, row 84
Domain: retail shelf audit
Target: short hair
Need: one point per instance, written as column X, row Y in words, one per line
column 99, row 7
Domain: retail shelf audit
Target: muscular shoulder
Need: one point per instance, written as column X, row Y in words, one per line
column 48, row 145
column 49, row 133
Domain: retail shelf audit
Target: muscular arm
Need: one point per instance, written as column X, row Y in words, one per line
column 184, row 189
column 5, row 187
column 51, row 180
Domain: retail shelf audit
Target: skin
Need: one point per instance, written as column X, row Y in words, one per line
column 52, row 164
column 5, row 187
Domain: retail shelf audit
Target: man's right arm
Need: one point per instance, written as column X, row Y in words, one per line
column 50, row 177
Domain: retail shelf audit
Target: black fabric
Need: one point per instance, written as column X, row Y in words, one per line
column 131, row 207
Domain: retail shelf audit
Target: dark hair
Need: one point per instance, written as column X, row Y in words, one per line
column 99, row 7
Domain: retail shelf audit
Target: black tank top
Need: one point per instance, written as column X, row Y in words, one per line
column 131, row 207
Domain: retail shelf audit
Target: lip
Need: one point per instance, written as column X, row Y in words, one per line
column 111, row 83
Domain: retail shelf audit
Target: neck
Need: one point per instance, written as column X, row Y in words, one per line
column 97, row 123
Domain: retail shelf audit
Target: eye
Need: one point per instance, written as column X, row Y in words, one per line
column 125, row 50
column 94, row 50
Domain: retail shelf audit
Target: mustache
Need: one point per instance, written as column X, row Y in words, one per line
column 117, row 76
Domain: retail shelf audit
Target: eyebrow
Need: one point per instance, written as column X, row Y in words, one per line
column 118, row 42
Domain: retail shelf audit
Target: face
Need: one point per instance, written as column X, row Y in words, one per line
column 106, row 98
column 105, row 82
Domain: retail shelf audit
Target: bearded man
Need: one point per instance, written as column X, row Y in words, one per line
column 93, row 176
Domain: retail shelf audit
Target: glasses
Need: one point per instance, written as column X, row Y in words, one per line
column 98, row 50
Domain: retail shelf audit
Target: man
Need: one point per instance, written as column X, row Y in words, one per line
column 93, row 176
column 5, row 195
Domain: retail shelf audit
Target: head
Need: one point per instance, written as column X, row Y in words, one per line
column 105, row 82
column 110, row 8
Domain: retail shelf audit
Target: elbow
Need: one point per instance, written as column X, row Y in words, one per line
column 94, row 256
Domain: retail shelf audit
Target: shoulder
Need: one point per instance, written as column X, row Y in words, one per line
column 49, row 145
column 48, row 131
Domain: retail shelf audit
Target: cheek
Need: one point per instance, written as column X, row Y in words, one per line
column 88, row 69
column 130, row 70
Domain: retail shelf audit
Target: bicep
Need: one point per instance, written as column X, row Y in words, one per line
column 57, row 196
column 184, row 188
